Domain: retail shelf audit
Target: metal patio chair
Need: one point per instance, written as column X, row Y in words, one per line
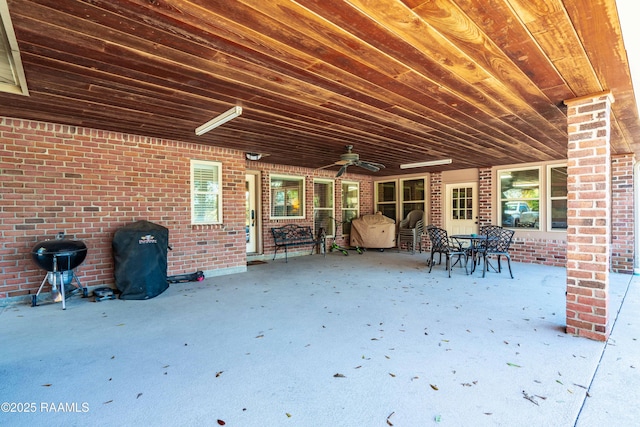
column 442, row 244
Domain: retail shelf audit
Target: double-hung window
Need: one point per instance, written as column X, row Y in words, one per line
column 323, row 202
column 350, row 204
column 206, row 192
column 413, row 193
column 557, row 209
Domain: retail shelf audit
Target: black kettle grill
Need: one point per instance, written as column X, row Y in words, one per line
column 59, row 257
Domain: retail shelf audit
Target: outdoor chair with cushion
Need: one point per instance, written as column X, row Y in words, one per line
column 442, row 244
column 410, row 231
column 498, row 245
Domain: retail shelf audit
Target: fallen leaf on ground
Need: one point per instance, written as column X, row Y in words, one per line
column 138, row 396
column 388, row 420
column 529, row 398
column 221, row 423
column 219, row 373
column 514, row 365
column 339, row 376
column 434, row 387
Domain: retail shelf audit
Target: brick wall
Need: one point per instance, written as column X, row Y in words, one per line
column 485, row 196
column 622, row 215
column 539, row 251
column 88, row 183
column 266, row 170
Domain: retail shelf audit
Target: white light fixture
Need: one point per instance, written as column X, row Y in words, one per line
column 253, row 156
column 217, row 121
column 423, row 164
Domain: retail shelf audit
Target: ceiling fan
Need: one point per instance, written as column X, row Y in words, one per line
column 353, row 159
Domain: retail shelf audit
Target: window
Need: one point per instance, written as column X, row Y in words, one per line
column 350, row 204
column 412, row 195
column 557, row 210
column 520, row 198
column 323, row 216
column 462, row 203
column 386, row 198
column 287, row 197
column 206, row 192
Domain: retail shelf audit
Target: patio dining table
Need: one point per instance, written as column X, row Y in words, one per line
column 476, row 242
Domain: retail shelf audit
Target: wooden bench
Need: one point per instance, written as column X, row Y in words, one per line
column 294, row 235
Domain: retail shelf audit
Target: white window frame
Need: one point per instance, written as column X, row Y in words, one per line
column 401, row 213
column 541, row 199
column 215, row 193
column 544, row 196
column 394, row 203
column 342, row 207
column 551, row 198
column 331, row 210
column 301, row 197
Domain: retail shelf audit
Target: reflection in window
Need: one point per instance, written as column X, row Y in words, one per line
column 520, row 198
column 350, row 204
column 323, row 207
column 287, row 197
column 558, row 197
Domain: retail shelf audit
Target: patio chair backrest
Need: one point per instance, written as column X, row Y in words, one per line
column 439, row 238
column 413, row 219
column 490, row 230
column 502, row 241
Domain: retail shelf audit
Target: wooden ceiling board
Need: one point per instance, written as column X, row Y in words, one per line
column 479, row 81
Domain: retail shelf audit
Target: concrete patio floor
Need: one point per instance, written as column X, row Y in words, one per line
column 363, row 340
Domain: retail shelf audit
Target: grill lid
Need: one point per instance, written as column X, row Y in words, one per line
column 68, row 254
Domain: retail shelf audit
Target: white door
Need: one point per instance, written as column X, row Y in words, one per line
column 251, row 214
column 462, row 208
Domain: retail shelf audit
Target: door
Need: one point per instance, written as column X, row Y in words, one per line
column 251, row 214
column 462, row 208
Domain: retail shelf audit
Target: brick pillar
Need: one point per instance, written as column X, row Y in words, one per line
column 589, row 215
column 485, row 197
column 622, row 214
column 436, row 199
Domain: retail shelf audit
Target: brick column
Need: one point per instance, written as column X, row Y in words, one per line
column 436, row 199
column 485, row 197
column 622, row 214
column 589, row 215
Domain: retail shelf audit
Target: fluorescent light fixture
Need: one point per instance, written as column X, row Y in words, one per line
column 220, row 120
column 423, row 164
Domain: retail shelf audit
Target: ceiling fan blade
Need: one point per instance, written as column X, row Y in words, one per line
column 373, row 167
column 325, row 167
column 338, row 163
column 342, row 170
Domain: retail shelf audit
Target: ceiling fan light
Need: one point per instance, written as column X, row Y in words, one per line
column 219, row 120
column 423, row 164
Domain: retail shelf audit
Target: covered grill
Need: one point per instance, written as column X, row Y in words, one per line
column 59, row 257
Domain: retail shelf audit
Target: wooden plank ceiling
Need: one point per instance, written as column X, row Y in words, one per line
column 479, row 81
